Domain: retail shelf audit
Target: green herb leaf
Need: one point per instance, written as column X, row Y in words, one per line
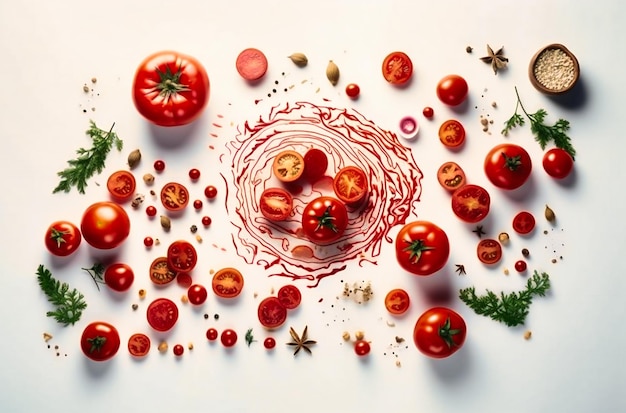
column 69, row 303
column 249, row 337
column 97, row 274
column 89, row 161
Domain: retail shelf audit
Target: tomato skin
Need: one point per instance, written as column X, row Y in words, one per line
column 471, row 203
column 121, row 185
column 155, row 96
column 228, row 337
column 174, row 196
column 451, row 176
column 276, row 204
column 524, row 222
column 422, row 248
column 162, row 314
column 315, row 164
column 489, row 251
column 324, row 220
column 439, row 332
column 119, row 277
column 251, row 64
column 139, row 345
column 181, row 256
column 289, row 296
column 362, row 347
column 100, row 341
column 452, row 90
column 558, row 163
column 105, row 225
column 227, row 282
column 62, row 238
column 397, row 301
column 197, row 294
column 508, row 166
column 397, row 68
column 160, row 271
column 452, row 133
column 271, row 313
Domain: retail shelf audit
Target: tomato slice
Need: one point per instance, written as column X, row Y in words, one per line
column 184, row 279
column 251, row 64
column 397, row 301
column 524, row 223
column 139, row 345
column 489, row 251
column 397, row 68
column 276, row 204
column 271, row 313
column 162, row 314
column 315, row 164
column 227, row 283
column 288, row 166
column 452, row 133
column 160, row 272
column 174, row 196
column 181, row 256
column 451, row 176
column 471, row 203
column 289, row 296
column 121, row 185
column 350, row 184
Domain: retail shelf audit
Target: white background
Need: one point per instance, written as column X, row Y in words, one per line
column 574, row 361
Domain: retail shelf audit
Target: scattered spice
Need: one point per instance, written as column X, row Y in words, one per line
column 85, row 88
column 479, row 231
column 137, row 200
column 469, row 49
column 506, row 271
column 184, row 299
column 528, row 334
column 503, row 237
column 496, row 60
column 193, row 229
column 142, row 293
column 525, row 252
column 359, row 335
column 345, row 336
column 148, row 179
column 47, row 337
column 460, row 269
column 163, row 346
column 549, row 214
column 332, row 73
column 135, row 307
column 198, row 238
column 359, row 292
column 301, row 342
column 166, row 222
column 133, row 158
column 399, row 340
column 299, row 59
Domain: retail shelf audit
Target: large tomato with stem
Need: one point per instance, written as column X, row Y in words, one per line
column 508, row 166
column 422, row 248
column 439, row 332
column 105, row 225
column 324, row 220
column 170, row 88
column 100, row 341
column 62, row 238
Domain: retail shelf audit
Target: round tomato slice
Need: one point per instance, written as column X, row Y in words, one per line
column 272, row 313
column 121, row 185
column 251, row 64
column 138, row 345
column 181, row 256
column 162, row 314
column 451, row 176
column 227, row 283
column 397, row 301
column 174, row 196
column 350, row 184
column 524, row 223
column 288, row 166
column 397, row 68
column 315, row 164
column 276, row 204
column 471, row 203
column 289, row 296
column 160, row 272
column 452, row 133
column 489, row 251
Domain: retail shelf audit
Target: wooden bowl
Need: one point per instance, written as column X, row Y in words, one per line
column 554, row 70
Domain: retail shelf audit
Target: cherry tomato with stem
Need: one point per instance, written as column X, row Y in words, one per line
column 100, row 341
column 508, row 166
column 324, row 220
column 422, row 248
column 439, row 332
column 62, row 238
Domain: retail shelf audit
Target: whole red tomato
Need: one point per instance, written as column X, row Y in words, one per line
column 452, row 90
column 558, row 163
column 422, row 248
column 105, row 225
column 100, row 341
column 119, row 276
column 62, row 238
column 324, row 220
column 170, row 88
column 508, row 166
column 439, row 332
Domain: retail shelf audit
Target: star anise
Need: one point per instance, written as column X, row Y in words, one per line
column 496, row 60
column 479, row 231
column 300, row 342
column 460, row 268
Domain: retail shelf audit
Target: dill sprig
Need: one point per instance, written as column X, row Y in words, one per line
column 69, row 303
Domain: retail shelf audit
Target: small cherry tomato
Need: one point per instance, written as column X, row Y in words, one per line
column 289, row 296
column 162, row 314
column 361, row 347
column 148, row 241
column 269, row 343
column 524, row 223
column 206, row 221
column 62, row 238
column 520, row 266
column 350, row 185
column 315, row 164
column 138, row 345
column 178, row 350
column 271, row 313
column 151, row 211
column 471, row 203
column 439, row 332
column 227, row 282
column 121, row 185
column 181, row 256
column 210, row 192
column 428, row 112
column 451, row 176
column 397, row 68
column 211, row 334
column 159, row 165
column 174, row 196
column 100, row 341
column 452, row 133
column 119, row 277
column 397, row 301
column 251, row 64
column 353, row 90
column 197, row 205
column 105, row 225
column 228, row 337
column 194, row 174
column 489, row 251
column 558, row 163
column 452, row 90
column 160, row 272
column 288, row 166
column 276, row 204
column 197, row 294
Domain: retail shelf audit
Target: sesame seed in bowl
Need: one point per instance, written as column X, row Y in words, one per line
column 554, row 70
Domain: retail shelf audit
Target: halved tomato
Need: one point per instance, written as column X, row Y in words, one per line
column 350, row 184
column 315, row 164
column 397, row 301
column 397, row 68
column 160, row 272
column 288, row 166
column 451, row 176
column 162, row 314
column 276, row 204
column 271, row 312
column 139, row 345
column 471, row 203
column 289, row 296
column 489, row 251
column 452, row 133
column 227, row 283
column 524, row 223
column 121, row 185
column 174, row 196
column 181, row 256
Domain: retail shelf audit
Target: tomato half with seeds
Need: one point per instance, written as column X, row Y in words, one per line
column 100, row 341
column 160, row 272
column 181, row 256
column 105, row 225
column 524, row 223
column 289, row 296
column 324, row 220
column 162, row 314
column 272, row 313
column 315, row 164
column 397, row 68
column 139, row 345
column 422, row 248
column 251, row 64
column 288, row 166
column 397, row 301
column 508, row 166
column 62, row 238
column 121, row 185
column 451, row 176
column 350, row 184
column 170, row 88
column 489, row 251
column 471, row 203
column 227, row 283
column 439, row 332
column 174, row 196
column 452, row 90
column 276, row 204
column 452, row 133
column 119, row 276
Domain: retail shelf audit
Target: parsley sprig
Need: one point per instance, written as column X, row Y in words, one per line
column 89, row 161
column 69, row 303
column 510, row 309
column 543, row 133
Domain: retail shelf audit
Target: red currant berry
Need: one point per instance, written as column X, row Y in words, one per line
column 178, row 350
column 206, row 221
column 211, row 334
column 520, row 266
column 197, row 204
column 148, row 241
column 151, row 211
column 428, row 112
column 159, row 165
column 194, row 174
column 269, row 343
